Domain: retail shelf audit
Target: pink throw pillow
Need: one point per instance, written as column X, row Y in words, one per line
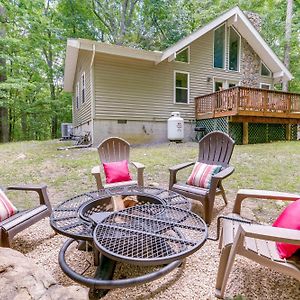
column 290, row 219
column 117, row 171
column 7, row 209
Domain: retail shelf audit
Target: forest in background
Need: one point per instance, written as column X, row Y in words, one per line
column 33, row 37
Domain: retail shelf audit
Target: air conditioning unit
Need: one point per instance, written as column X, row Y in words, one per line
column 66, row 130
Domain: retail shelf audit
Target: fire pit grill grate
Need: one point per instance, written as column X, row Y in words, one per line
column 66, row 219
column 150, row 234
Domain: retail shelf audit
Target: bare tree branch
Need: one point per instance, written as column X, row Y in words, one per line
column 110, row 26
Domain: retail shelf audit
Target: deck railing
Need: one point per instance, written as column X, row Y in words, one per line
column 247, row 100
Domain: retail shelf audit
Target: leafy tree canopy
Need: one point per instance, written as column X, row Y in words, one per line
column 34, row 33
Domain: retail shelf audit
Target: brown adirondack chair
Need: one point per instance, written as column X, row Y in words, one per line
column 254, row 241
column 215, row 148
column 23, row 219
column 116, row 149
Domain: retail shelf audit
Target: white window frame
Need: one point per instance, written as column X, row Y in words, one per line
column 188, row 87
column 267, row 76
column 77, row 95
column 239, row 52
column 83, row 87
column 225, row 48
column 263, row 83
column 189, row 55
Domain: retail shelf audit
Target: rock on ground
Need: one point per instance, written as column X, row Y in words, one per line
column 22, row 279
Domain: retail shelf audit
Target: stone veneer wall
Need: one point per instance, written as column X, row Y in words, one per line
column 250, row 61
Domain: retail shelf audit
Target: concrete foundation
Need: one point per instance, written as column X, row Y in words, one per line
column 137, row 132
column 83, row 129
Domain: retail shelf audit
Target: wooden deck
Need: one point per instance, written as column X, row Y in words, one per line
column 244, row 104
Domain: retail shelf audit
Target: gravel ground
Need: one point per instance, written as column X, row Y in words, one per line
column 195, row 279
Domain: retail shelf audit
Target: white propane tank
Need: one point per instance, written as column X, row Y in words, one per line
column 175, row 127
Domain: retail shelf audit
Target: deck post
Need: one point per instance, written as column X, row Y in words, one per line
column 288, row 130
column 245, row 133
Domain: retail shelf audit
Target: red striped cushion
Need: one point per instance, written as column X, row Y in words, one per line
column 202, row 174
column 7, row 209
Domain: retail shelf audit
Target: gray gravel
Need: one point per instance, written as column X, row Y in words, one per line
column 195, row 279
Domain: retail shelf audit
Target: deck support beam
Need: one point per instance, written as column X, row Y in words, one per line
column 245, row 133
column 288, row 132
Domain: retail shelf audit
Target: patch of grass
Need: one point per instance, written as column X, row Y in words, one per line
column 271, row 166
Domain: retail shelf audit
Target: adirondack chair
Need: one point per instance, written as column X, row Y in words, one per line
column 116, row 149
column 23, row 219
column 254, row 241
column 215, row 148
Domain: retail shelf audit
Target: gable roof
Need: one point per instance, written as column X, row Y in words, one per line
column 234, row 16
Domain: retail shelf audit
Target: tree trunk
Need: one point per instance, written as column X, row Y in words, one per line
column 4, row 129
column 24, row 125
column 287, row 46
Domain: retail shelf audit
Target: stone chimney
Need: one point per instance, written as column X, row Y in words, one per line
column 250, row 61
column 255, row 19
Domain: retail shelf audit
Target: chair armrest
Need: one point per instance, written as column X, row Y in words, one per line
column 40, row 189
column 137, row 165
column 217, row 178
column 95, row 170
column 261, row 194
column 173, row 171
column 140, row 172
column 224, row 173
column 271, row 233
column 181, row 166
column 96, row 173
column 26, row 187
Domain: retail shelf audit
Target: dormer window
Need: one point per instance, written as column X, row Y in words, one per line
column 219, row 47
column 264, row 70
column 234, row 49
column 183, row 55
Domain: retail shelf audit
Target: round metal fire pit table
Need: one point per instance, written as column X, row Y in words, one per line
column 66, row 218
column 150, row 234
column 160, row 220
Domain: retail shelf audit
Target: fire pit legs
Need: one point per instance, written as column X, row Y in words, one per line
column 104, row 271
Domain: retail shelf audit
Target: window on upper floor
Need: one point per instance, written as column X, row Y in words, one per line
column 181, row 87
column 234, row 50
column 83, row 87
column 77, row 95
column 264, row 70
column 219, row 47
column 183, row 55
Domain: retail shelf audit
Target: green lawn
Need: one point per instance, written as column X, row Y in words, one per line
column 262, row 166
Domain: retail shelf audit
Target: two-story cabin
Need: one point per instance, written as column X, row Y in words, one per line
column 127, row 92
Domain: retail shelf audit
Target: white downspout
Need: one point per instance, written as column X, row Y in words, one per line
column 92, row 92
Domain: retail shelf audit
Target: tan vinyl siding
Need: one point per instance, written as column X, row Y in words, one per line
column 83, row 113
column 138, row 90
column 133, row 89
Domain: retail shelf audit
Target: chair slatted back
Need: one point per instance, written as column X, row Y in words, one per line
column 216, row 148
column 113, row 149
